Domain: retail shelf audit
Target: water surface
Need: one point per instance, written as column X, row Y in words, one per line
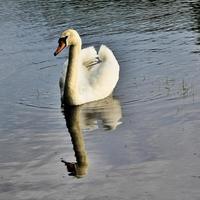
column 141, row 144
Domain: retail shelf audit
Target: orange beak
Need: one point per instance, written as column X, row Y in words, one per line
column 60, row 47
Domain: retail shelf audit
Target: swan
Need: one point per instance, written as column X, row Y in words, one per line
column 88, row 75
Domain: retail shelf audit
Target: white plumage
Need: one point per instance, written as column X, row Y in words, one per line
column 92, row 76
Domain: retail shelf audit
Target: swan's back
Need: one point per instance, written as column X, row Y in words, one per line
column 104, row 76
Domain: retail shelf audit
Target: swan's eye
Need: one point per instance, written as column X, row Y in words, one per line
column 62, row 40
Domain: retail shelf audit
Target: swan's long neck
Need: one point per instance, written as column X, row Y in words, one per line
column 70, row 90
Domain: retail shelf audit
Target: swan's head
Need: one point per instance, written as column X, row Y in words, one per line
column 69, row 37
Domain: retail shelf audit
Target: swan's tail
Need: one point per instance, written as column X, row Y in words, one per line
column 105, row 53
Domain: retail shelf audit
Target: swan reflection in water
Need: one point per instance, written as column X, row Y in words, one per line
column 105, row 114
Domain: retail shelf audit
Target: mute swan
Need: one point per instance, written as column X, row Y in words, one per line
column 88, row 76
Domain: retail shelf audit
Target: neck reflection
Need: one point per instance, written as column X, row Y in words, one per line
column 104, row 114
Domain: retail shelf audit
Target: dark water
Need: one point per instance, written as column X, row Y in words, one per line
column 142, row 144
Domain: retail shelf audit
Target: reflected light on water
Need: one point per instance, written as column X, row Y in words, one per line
column 106, row 113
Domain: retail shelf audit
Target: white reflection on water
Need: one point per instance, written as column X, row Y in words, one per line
column 90, row 116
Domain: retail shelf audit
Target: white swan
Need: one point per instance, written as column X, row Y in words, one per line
column 88, row 76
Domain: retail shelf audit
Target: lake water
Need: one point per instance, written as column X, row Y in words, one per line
column 142, row 144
